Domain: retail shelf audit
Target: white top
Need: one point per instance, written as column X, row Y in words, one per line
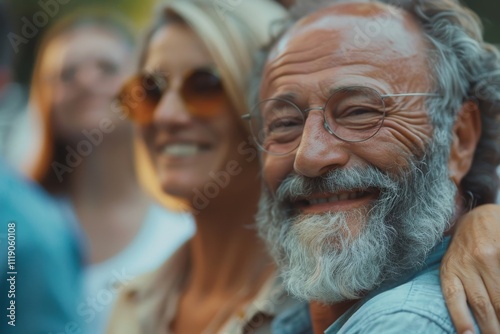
column 161, row 234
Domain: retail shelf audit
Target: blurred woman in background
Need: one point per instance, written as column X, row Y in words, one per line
column 86, row 156
column 187, row 102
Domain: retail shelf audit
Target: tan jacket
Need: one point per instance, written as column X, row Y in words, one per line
column 148, row 304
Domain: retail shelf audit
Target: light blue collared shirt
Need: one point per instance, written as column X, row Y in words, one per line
column 413, row 305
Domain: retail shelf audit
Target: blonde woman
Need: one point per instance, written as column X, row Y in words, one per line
column 187, row 102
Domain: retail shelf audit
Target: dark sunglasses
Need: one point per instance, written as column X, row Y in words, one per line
column 201, row 91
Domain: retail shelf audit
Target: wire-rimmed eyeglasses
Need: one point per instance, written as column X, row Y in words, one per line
column 352, row 114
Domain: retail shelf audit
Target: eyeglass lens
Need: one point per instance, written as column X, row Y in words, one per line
column 352, row 114
column 202, row 92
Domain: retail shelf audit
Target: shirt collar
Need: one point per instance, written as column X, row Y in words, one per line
column 432, row 260
column 295, row 320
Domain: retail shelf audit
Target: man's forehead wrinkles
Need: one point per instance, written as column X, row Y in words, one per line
column 290, row 62
column 277, row 88
column 340, row 48
column 287, row 65
column 330, row 42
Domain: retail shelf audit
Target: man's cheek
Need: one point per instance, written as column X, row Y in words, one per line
column 275, row 169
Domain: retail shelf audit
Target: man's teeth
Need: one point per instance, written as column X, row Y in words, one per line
column 182, row 150
column 336, row 198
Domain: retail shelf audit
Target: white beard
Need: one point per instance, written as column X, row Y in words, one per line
column 321, row 260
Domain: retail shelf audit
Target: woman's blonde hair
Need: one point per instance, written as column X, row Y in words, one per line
column 233, row 32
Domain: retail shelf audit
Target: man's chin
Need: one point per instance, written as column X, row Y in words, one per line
column 341, row 226
column 323, row 256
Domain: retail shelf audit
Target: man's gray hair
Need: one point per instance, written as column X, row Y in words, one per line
column 463, row 67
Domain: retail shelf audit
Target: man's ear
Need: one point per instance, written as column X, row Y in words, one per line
column 466, row 134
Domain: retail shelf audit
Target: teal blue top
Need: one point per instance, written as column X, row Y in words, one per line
column 46, row 268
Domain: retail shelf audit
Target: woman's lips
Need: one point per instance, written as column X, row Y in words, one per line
column 183, row 149
column 177, row 151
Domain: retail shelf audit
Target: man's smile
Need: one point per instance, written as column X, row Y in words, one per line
column 335, row 202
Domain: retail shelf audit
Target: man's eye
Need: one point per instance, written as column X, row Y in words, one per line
column 359, row 112
column 359, row 118
column 282, row 124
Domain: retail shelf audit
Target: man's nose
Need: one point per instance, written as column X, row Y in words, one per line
column 319, row 151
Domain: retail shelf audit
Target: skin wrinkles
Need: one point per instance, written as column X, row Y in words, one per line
column 318, row 59
column 325, row 86
column 344, row 26
column 309, row 70
column 407, row 124
column 398, row 115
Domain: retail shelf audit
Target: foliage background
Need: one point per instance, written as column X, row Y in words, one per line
column 140, row 12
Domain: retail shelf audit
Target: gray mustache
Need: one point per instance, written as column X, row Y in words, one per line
column 354, row 178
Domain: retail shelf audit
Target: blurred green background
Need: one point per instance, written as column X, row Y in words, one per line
column 140, row 12
column 489, row 12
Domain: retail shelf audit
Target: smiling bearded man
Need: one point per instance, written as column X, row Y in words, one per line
column 371, row 146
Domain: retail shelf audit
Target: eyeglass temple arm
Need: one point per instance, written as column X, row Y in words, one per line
column 411, row 94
